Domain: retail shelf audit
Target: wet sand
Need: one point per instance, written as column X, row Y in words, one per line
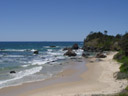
column 85, row 77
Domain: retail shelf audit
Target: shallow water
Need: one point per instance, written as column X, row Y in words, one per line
column 18, row 56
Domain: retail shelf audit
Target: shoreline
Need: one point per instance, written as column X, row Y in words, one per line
column 94, row 77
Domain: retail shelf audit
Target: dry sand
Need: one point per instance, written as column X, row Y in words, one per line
column 80, row 79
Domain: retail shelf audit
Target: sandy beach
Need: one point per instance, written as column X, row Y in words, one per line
column 83, row 77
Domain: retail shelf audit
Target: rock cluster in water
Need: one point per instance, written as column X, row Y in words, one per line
column 36, row 52
column 70, row 51
column 12, row 72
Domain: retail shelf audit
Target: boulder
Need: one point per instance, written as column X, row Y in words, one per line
column 36, row 52
column 12, row 72
column 89, row 48
column 85, row 55
column 70, row 53
column 75, row 46
column 100, row 55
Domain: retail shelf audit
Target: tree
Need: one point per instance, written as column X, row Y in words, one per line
column 124, row 43
column 105, row 32
column 118, row 36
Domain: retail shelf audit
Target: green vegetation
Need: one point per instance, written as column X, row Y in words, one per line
column 123, row 59
column 124, row 54
column 124, row 92
column 124, row 44
column 99, row 40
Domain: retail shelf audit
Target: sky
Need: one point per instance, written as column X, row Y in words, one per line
column 60, row 20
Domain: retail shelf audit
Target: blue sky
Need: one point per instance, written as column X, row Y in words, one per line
column 60, row 20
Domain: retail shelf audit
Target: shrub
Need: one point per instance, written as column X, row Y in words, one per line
column 124, row 67
column 124, row 44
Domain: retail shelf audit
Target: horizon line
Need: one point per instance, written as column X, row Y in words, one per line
column 41, row 41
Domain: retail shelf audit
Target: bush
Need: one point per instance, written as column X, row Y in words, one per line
column 119, row 56
column 124, row 44
column 124, row 67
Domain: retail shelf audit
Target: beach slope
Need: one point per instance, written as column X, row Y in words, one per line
column 80, row 79
column 98, row 79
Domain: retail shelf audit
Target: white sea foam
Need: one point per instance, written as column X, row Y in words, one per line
column 54, row 53
column 33, row 50
column 60, row 52
column 79, row 52
column 60, row 57
column 39, row 62
column 50, row 50
column 21, row 74
column 25, row 65
column 47, row 60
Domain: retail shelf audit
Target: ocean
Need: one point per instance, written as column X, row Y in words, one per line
column 29, row 67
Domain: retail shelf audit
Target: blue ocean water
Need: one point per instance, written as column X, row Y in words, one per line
column 19, row 57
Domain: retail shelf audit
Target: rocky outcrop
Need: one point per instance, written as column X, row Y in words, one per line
column 12, row 72
column 101, row 55
column 70, row 53
column 92, row 49
column 75, row 46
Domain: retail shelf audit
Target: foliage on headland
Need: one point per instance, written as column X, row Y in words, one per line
column 98, row 41
column 102, row 42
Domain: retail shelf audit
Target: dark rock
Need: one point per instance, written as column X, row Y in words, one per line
column 100, row 55
column 85, row 55
column 36, row 52
column 12, row 72
column 70, row 53
column 92, row 49
column 89, row 49
column 75, row 46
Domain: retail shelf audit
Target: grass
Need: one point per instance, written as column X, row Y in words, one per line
column 120, row 57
